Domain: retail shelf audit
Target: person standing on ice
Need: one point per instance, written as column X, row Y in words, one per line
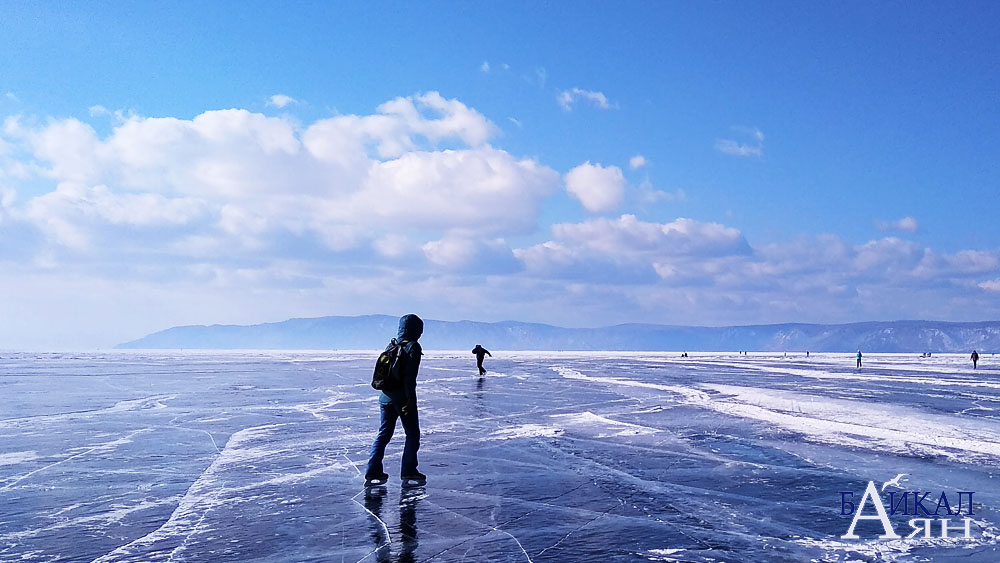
column 400, row 403
column 859, row 358
column 975, row 359
column 481, row 353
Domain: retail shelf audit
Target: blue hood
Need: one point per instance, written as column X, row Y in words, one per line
column 410, row 328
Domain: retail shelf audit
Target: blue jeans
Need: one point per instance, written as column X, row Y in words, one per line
column 411, row 426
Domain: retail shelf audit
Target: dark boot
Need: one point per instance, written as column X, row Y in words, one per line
column 376, row 480
column 416, row 479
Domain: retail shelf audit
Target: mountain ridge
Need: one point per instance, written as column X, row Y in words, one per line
column 366, row 332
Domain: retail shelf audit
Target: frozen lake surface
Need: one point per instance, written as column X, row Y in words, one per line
column 257, row 456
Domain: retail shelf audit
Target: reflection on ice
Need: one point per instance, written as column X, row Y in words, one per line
column 257, row 456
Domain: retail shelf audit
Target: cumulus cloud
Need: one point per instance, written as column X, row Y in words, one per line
column 589, row 248
column 567, row 98
column 281, row 100
column 712, row 268
column 422, row 162
column 597, row 187
column 627, row 235
column 906, row 224
column 482, row 190
column 637, row 162
column 68, row 214
column 752, row 145
column 647, row 194
column 459, row 253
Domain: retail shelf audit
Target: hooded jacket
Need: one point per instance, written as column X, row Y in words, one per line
column 411, row 327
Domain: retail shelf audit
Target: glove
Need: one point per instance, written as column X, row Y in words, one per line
column 408, row 408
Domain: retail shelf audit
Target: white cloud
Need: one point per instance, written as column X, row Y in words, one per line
column 736, row 149
column 482, row 190
column 627, row 236
column 450, row 252
column 597, row 187
column 753, row 146
column 67, row 213
column 7, row 197
column 599, row 249
column 249, row 181
column 888, row 254
column 12, row 97
column 281, row 100
column 991, row 285
column 637, row 162
column 567, row 98
column 712, row 268
column 906, row 224
column 393, row 246
column 648, row 194
column 485, row 67
column 480, row 256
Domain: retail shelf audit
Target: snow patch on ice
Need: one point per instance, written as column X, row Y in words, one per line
column 13, row 458
column 614, row 427
column 687, row 393
column 852, row 423
column 664, row 554
column 527, row 431
column 903, row 429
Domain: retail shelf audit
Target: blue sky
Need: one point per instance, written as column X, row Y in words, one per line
column 579, row 164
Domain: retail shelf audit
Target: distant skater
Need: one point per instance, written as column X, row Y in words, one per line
column 859, row 358
column 975, row 359
column 481, row 353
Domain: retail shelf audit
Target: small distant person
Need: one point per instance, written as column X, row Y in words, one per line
column 400, row 403
column 807, row 353
column 975, row 359
column 859, row 358
column 481, row 353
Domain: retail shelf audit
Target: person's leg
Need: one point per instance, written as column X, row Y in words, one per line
column 387, row 426
column 411, row 425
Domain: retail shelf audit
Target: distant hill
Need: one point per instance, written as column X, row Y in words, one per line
column 373, row 331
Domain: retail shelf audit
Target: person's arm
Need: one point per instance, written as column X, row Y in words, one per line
column 410, row 377
column 487, row 352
